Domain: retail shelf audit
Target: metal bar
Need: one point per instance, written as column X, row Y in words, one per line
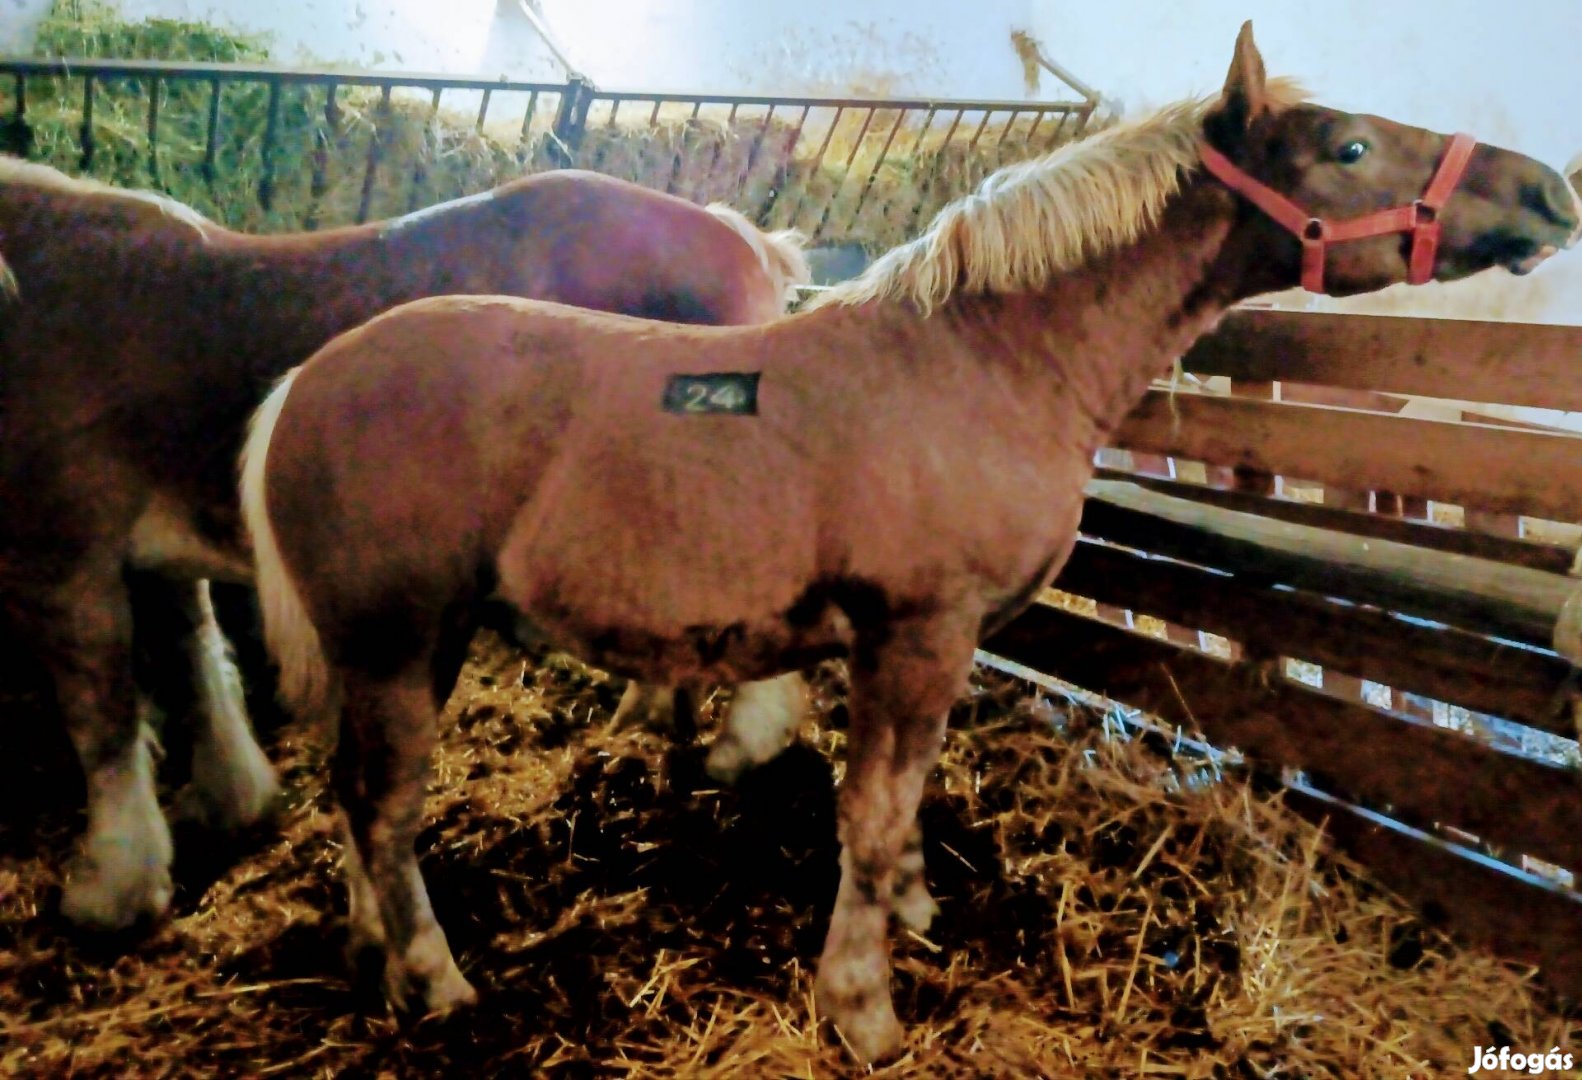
column 978, row 134
column 483, row 108
column 1054, row 137
column 319, row 183
column 202, row 70
column 675, row 166
column 1038, row 118
column 17, row 135
column 719, row 147
column 153, row 131
column 570, row 117
column 211, row 133
column 653, row 117
column 524, row 147
column 420, row 167
column 900, row 116
column 1010, row 122
column 266, row 182
column 85, row 131
column 818, row 163
column 752, row 151
column 791, row 101
column 829, row 204
column 790, row 163
column 928, row 122
column 101, row 68
column 602, row 150
column 933, row 171
column 365, row 200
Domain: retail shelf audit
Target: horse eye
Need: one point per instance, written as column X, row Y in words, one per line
column 1351, row 153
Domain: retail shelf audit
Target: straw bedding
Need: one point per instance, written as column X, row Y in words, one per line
column 1110, row 908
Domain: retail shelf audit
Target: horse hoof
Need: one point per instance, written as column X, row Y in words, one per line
column 252, row 796
column 728, row 760
column 866, row 1022
column 450, row 991
column 442, row 995
column 97, row 897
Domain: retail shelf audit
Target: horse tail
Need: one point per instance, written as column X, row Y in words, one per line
column 9, row 292
column 305, row 685
column 781, row 253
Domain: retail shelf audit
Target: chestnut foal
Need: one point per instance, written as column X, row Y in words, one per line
column 889, row 475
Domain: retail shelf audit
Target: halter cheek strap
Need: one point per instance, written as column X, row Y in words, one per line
column 1420, row 217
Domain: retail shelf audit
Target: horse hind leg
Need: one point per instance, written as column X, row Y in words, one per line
column 902, row 689
column 381, row 768
column 761, row 719
column 121, row 872
column 193, row 677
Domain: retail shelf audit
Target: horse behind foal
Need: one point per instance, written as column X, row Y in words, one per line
column 607, row 477
column 138, row 340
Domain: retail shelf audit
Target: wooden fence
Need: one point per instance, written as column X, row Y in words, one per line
column 1384, row 611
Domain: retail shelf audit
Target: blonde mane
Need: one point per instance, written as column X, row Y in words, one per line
column 14, row 170
column 781, row 253
column 1030, row 221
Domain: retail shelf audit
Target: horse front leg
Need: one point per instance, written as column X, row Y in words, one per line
column 122, row 871
column 902, row 687
column 189, row 672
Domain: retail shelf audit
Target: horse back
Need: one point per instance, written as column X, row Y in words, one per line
column 600, row 242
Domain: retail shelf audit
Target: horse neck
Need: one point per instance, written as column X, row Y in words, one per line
column 1095, row 338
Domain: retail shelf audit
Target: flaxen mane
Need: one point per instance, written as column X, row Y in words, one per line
column 14, row 170
column 1030, row 221
column 780, row 253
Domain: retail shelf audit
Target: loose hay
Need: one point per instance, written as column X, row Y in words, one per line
column 1109, row 909
column 849, row 183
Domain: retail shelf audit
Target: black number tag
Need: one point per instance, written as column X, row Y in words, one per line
column 734, row 393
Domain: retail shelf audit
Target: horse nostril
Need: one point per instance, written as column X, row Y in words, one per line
column 1553, row 200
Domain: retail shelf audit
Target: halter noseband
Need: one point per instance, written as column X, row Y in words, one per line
column 1420, row 218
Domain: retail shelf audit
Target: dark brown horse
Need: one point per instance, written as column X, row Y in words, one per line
column 139, row 339
column 888, row 476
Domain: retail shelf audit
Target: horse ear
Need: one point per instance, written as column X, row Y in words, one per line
column 1243, row 99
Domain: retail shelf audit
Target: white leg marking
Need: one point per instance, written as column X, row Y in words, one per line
column 365, row 927
column 233, row 784
column 123, row 870
column 913, row 904
column 763, row 716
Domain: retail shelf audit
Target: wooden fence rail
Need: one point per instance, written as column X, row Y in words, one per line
column 1458, row 776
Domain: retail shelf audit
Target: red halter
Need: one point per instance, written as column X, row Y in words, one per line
column 1420, row 218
